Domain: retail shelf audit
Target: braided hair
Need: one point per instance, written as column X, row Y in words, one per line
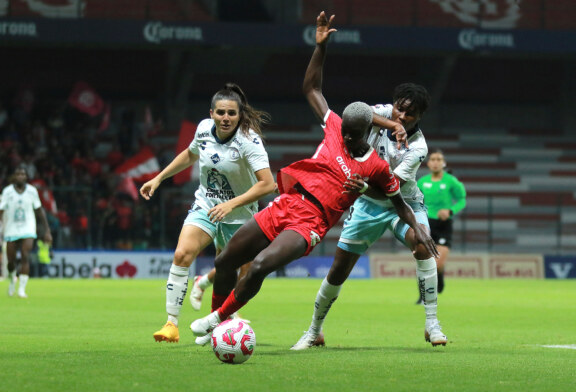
column 417, row 95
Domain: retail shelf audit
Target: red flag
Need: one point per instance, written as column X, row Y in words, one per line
column 187, row 132
column 141, row 167
column 84, row 98
column 127, row 186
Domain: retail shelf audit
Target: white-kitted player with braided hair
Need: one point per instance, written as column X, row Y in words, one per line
column 369, row 218
column 234, row 174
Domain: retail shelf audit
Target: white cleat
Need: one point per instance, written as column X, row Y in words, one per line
column 433, row 334
column 309, row 340
column 205, row 325
column 196, row 294
column 203, row 340
column 22, row 294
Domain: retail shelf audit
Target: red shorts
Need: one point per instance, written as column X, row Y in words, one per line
column 292, row 211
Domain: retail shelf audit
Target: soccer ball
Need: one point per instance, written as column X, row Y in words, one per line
column 233, row 341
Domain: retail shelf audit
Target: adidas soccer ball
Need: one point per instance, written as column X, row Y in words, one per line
column 233, row 341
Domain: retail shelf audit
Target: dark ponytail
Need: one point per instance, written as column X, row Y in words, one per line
column 250, row 118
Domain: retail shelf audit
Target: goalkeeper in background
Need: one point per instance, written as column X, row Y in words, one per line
column 444, row 196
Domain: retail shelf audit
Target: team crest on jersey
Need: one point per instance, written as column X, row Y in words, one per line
column 234, row 154
column 215, row 158
column 483, row 13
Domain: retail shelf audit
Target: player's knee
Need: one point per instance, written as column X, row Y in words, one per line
column 259, row 269
column 421, row 253
column 183, row 258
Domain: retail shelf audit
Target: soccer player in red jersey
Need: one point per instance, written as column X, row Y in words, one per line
column 315, row 193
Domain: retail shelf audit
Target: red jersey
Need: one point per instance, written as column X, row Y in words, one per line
column 324, row 174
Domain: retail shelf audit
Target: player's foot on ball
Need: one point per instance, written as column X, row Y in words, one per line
column 168, row 333
column 308, row 340
column 433, row 334
column 206, row 324
column 196, row 294
column 203, row 340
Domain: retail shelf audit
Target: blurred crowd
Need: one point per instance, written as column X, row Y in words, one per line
column 70, row 157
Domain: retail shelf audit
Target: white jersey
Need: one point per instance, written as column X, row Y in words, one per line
column 19, row 218
column 227, row 169
column 404, row 163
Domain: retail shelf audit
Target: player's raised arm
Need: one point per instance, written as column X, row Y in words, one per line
column 312, row 86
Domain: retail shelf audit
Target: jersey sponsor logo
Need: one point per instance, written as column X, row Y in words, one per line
column 382, row 152
column 256, row 140
column 421, row 158
column 203, row 134
column 343, row 166
column 218, row 186
column 215, row 158
column 203, row 146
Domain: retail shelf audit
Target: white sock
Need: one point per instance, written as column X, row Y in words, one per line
column 204, row 283
column 428, row 285
column 176, row 288
column 324, row 300
column 23, row 282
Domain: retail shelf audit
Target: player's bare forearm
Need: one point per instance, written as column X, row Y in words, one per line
column 312, row 85
column 41, row 216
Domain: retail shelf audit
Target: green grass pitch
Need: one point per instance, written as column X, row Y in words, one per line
column 96, row 335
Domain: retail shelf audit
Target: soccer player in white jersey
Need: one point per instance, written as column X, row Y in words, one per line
column 369, row 218
column 20, row 208
column 234, row 174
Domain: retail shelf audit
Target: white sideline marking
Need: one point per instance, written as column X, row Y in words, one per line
column 569, row 346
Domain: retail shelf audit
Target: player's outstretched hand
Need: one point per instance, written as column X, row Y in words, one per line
column 147, row 190
column 323, row 28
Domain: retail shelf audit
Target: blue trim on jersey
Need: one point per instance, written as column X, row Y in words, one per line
column 220, row 141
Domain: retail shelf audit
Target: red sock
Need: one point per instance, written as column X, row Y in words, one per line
column 217, row 300
column 230, row 306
